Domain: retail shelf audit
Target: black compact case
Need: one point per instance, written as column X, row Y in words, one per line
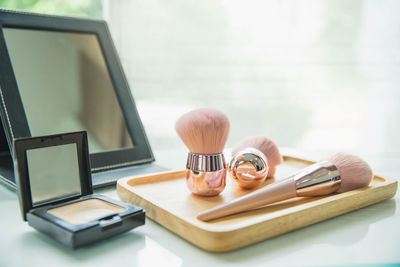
column 56, row 195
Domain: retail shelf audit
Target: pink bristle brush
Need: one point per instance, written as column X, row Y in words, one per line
column 204, row 132
column 340, row 173
column 254, row 159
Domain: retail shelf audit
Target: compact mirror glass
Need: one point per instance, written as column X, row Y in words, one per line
column 53, row 173
column 65, row 86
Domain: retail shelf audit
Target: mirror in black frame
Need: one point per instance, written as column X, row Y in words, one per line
column 65, row 86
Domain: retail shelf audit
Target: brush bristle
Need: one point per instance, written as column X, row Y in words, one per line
column 266, row 146
column 203, row 131
column 354, row 171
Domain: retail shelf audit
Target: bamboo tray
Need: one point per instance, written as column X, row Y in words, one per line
column 167, row 201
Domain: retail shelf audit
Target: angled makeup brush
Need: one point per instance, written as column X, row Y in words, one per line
column 340, row 173
column 204, row 132
column 254, row 159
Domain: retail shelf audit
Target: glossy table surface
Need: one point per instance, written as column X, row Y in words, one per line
column 367, row 236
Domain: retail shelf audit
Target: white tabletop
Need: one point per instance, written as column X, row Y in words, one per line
column 322, row 76
column 367, row 236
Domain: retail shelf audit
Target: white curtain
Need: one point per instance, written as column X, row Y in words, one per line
column 301, row 72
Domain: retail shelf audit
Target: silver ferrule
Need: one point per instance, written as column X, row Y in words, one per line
column 205, row 162
column 319, row 179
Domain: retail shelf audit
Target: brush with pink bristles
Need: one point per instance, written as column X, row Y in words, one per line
column 340, row 173
column 254, row 159
column 204, row 132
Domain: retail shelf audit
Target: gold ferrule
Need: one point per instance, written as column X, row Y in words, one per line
column 319, row 179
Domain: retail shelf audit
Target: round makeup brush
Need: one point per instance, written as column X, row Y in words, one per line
column 249, row 168
column 254, row 159
column 265, row 146
column 204, row 132
column 340, row 173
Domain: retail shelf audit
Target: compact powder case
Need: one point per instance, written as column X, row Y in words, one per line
column 56, row 194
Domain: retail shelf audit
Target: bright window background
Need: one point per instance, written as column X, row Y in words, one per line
column 312, row 75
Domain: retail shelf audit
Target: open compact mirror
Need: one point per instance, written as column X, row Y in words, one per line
column 55, row 192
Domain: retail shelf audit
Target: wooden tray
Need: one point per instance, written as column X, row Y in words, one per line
column 166, row 200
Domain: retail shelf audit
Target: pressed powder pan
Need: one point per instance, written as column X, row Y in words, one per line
column 85, row 211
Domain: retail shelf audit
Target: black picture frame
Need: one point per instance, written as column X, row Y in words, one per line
column 14, row 120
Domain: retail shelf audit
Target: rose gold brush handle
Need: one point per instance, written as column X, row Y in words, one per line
column 205, row 174
column 249, row 168
column 273, row 193
column 319, row 179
